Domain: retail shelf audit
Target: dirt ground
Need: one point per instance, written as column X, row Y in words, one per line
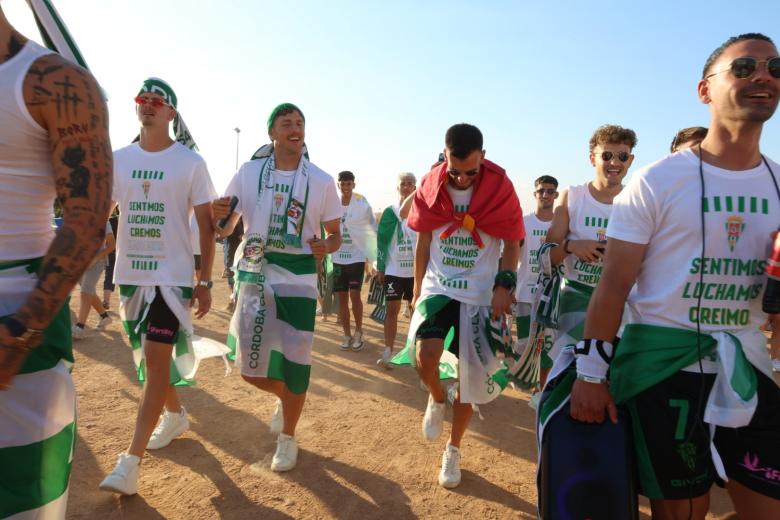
column 361, row 449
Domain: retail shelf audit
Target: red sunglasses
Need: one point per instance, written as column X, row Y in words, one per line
column 155, row 102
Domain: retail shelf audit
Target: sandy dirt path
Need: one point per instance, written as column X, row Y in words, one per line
column 362, row 453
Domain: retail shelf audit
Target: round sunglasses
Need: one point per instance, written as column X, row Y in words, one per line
column 746, row 66
column 621, row 156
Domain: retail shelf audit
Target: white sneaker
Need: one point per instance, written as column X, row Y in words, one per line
column 277, row 421
column 124, row 478
column 171, row 426
column 357, row 341
column 103, row 323
column 384, row 361
column 78, row 333
column 449, row 476
column 533, row 402
column 433, row 420
column 286, row 455
column 345, row 345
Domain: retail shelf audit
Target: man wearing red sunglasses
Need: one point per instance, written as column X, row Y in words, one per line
column 158, row 183
column 691, row 234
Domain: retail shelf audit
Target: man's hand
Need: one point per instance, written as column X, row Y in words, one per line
column 380, row 277
column 502, row 302
column 202, row 295
column 11, row 358
column 221, row 208
column 319, row 248
column 589, row 400
column 587, row 250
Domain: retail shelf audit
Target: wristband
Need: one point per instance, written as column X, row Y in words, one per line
column 588, row 379
column 506, row 279
column 593, row 357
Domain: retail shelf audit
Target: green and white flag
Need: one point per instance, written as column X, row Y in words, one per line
column 134, row 302
column 482, row 376
column 574, row 301
column 37, row 411
column 272, row 330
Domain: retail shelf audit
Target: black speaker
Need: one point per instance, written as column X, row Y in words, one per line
column 587, row 470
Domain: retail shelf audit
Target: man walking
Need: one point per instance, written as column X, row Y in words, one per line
column 536, row 224
column 395, row 259
column 158, row 183
column 349, row 262
column 463, row 210
column 691, row 234
column 283, row 200
column 579, row 228
column 53, row 143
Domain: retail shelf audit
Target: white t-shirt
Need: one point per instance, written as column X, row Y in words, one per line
column 194, row 234
column 322, row 205
column 528, row 268
column 358, row 210
column 661, row 207
column 588, row 220
column 458, row 268
column 400, row 261
column 156, row 192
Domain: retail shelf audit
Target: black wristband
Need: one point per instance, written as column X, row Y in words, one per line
column 506, row 279
column 14, row 326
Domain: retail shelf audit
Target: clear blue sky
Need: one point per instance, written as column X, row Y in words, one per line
column 380, row 82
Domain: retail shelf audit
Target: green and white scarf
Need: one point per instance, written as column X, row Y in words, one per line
column 134, row 302
column 482, row 375
column 54, row 32
column 37, row 411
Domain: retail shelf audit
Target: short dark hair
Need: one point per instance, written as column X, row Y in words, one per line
column 613, row 134
column 346, row 176
column 692, row 133
column 462, row 140
column 546, row 179
column 728, row 43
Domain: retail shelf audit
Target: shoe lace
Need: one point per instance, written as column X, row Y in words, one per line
column 450, row 460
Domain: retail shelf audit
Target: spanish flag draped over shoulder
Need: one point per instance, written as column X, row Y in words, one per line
column 494, row 208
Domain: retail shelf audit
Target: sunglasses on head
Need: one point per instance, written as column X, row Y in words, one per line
column 621, row 156
column 546, row 191
column 155, row 102
column 470, row 173
column 746, row 66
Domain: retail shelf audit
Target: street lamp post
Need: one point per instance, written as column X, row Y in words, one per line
column 238, row 131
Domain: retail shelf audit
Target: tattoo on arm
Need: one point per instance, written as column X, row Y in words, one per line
column 66, row 101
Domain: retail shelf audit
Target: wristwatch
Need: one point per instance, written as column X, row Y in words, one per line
column 589, row 379
column 208, row 284
column 24, row 339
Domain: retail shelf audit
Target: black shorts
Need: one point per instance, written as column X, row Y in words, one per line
column 673, row 444
column 398, row 288
column 439, row 325
column 348, row 277
column 162, row 325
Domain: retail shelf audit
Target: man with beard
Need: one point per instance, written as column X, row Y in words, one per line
column 691, row 234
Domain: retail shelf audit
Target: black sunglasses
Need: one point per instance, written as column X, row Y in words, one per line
column 746, row 66
column 622, row 156
column 471, row 173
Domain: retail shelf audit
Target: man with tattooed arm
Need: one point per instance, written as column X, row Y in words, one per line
column 53, row 143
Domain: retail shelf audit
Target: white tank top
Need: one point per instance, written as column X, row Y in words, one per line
column 26, row 176
column 588, row 219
